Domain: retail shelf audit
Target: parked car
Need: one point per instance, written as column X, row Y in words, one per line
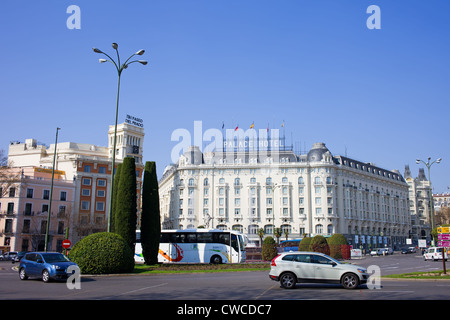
column 408, row 250
column 47, row 265
column 8, row 255
column 19, row 256
column 290, row 268
column 434, row 253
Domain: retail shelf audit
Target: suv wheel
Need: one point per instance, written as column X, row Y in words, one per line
column 288, row 280
column 350, row 281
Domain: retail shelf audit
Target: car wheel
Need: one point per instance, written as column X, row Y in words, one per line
column 216, row 259
column 23, row 274
column 288, row 280
column 350, row 281
column 45, row 276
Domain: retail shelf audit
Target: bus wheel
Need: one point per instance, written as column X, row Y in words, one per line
column 216, row 259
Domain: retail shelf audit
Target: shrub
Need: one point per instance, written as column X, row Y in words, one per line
column 101, row 253
column 304, row 244
column 337, row 243
column 269, row 249
column 319, row 244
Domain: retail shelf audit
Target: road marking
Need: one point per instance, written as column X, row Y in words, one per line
column 132, row 291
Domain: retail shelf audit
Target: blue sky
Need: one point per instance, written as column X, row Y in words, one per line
column 379, row 96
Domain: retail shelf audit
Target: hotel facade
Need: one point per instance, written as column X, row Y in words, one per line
column 317, row 193
column 84, row 170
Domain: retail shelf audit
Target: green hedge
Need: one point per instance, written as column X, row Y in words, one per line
column 269, row 249
column 103, row 253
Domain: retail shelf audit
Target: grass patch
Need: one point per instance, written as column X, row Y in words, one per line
column 192, row 267
column 421, row 275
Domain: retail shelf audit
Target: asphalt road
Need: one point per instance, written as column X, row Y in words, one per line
column 245, row 286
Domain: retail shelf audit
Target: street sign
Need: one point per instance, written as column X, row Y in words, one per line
column 443, row 230
column 66, row 244
column 444, row 236
column 443, row 243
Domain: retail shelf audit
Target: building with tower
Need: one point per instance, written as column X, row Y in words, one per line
column 84, row 168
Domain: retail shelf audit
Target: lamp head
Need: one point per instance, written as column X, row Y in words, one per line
column 115, row 45
column 102, row 60
column 97, row 50
column 144, row 62
column 438, row 160
column 417, row 161
column 140, row 52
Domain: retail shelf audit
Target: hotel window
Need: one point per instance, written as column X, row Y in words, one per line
column 284, row 180
column 237, row 181
column 300, row 190
column 268, row 181
column 268, row 190
column 205, row 201
column 300, row 201
column 86, row 181
column 221, row 191
column 317, row 189
column 205, row 182
column 84, row 205
column 221, row 211
column 269, row 211
column 237, row 191
column 101, row 182
column 29, row 193
column 221, row 201
column 237, row 211
column 63, row 196
column 300, row 180
column 12, row 192
column 101, row 193
column 317, row 180
column 237, row 202
column 101, row 169
column 318, row 210
column 46, row 195
column 205, row 191
column 86, row 192
column 268, row 201
column 87, row 168
column 285, row 211
column 285, row 190
column 285, row 201
column 318, row 200
column 100, row 206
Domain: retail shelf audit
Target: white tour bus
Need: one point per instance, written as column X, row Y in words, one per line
column 198, row 246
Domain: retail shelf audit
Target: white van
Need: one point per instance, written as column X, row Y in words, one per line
column 434, row 253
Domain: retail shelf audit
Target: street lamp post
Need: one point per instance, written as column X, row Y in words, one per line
column 428, row 165
column 119, row 68
column 47, row 232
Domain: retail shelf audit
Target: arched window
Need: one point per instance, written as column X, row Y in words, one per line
column 319, row 229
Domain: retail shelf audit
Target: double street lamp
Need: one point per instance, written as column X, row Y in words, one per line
column 119, row 67
column 428, row 165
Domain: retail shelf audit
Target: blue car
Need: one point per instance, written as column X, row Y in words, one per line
column 46, row 265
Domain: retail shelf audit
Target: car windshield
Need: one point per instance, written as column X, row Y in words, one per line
column 54, row 257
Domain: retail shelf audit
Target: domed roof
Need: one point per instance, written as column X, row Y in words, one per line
column 317, row 151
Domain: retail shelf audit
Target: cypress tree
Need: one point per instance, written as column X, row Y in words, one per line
column 114, row 196
column 150, row 216
column 125, row 219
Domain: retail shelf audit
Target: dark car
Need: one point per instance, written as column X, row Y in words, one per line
column 46, row 265
column 19, row 256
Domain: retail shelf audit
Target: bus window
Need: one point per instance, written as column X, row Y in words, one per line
column 191, row 237
column 204, row 237
column 234, row 242
column 222, row 237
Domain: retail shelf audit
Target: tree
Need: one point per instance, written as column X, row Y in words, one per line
column 277, row 233
column 261, row 235
column 125, row 216
column 319, row 244
column 338, row 246
column 304, row 244
column 150, row 216
column 269, row 249
column 114, row 197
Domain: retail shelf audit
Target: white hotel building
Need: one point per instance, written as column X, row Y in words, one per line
column 315, row 194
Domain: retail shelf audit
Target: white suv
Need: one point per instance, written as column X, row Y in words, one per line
column 292, row 267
